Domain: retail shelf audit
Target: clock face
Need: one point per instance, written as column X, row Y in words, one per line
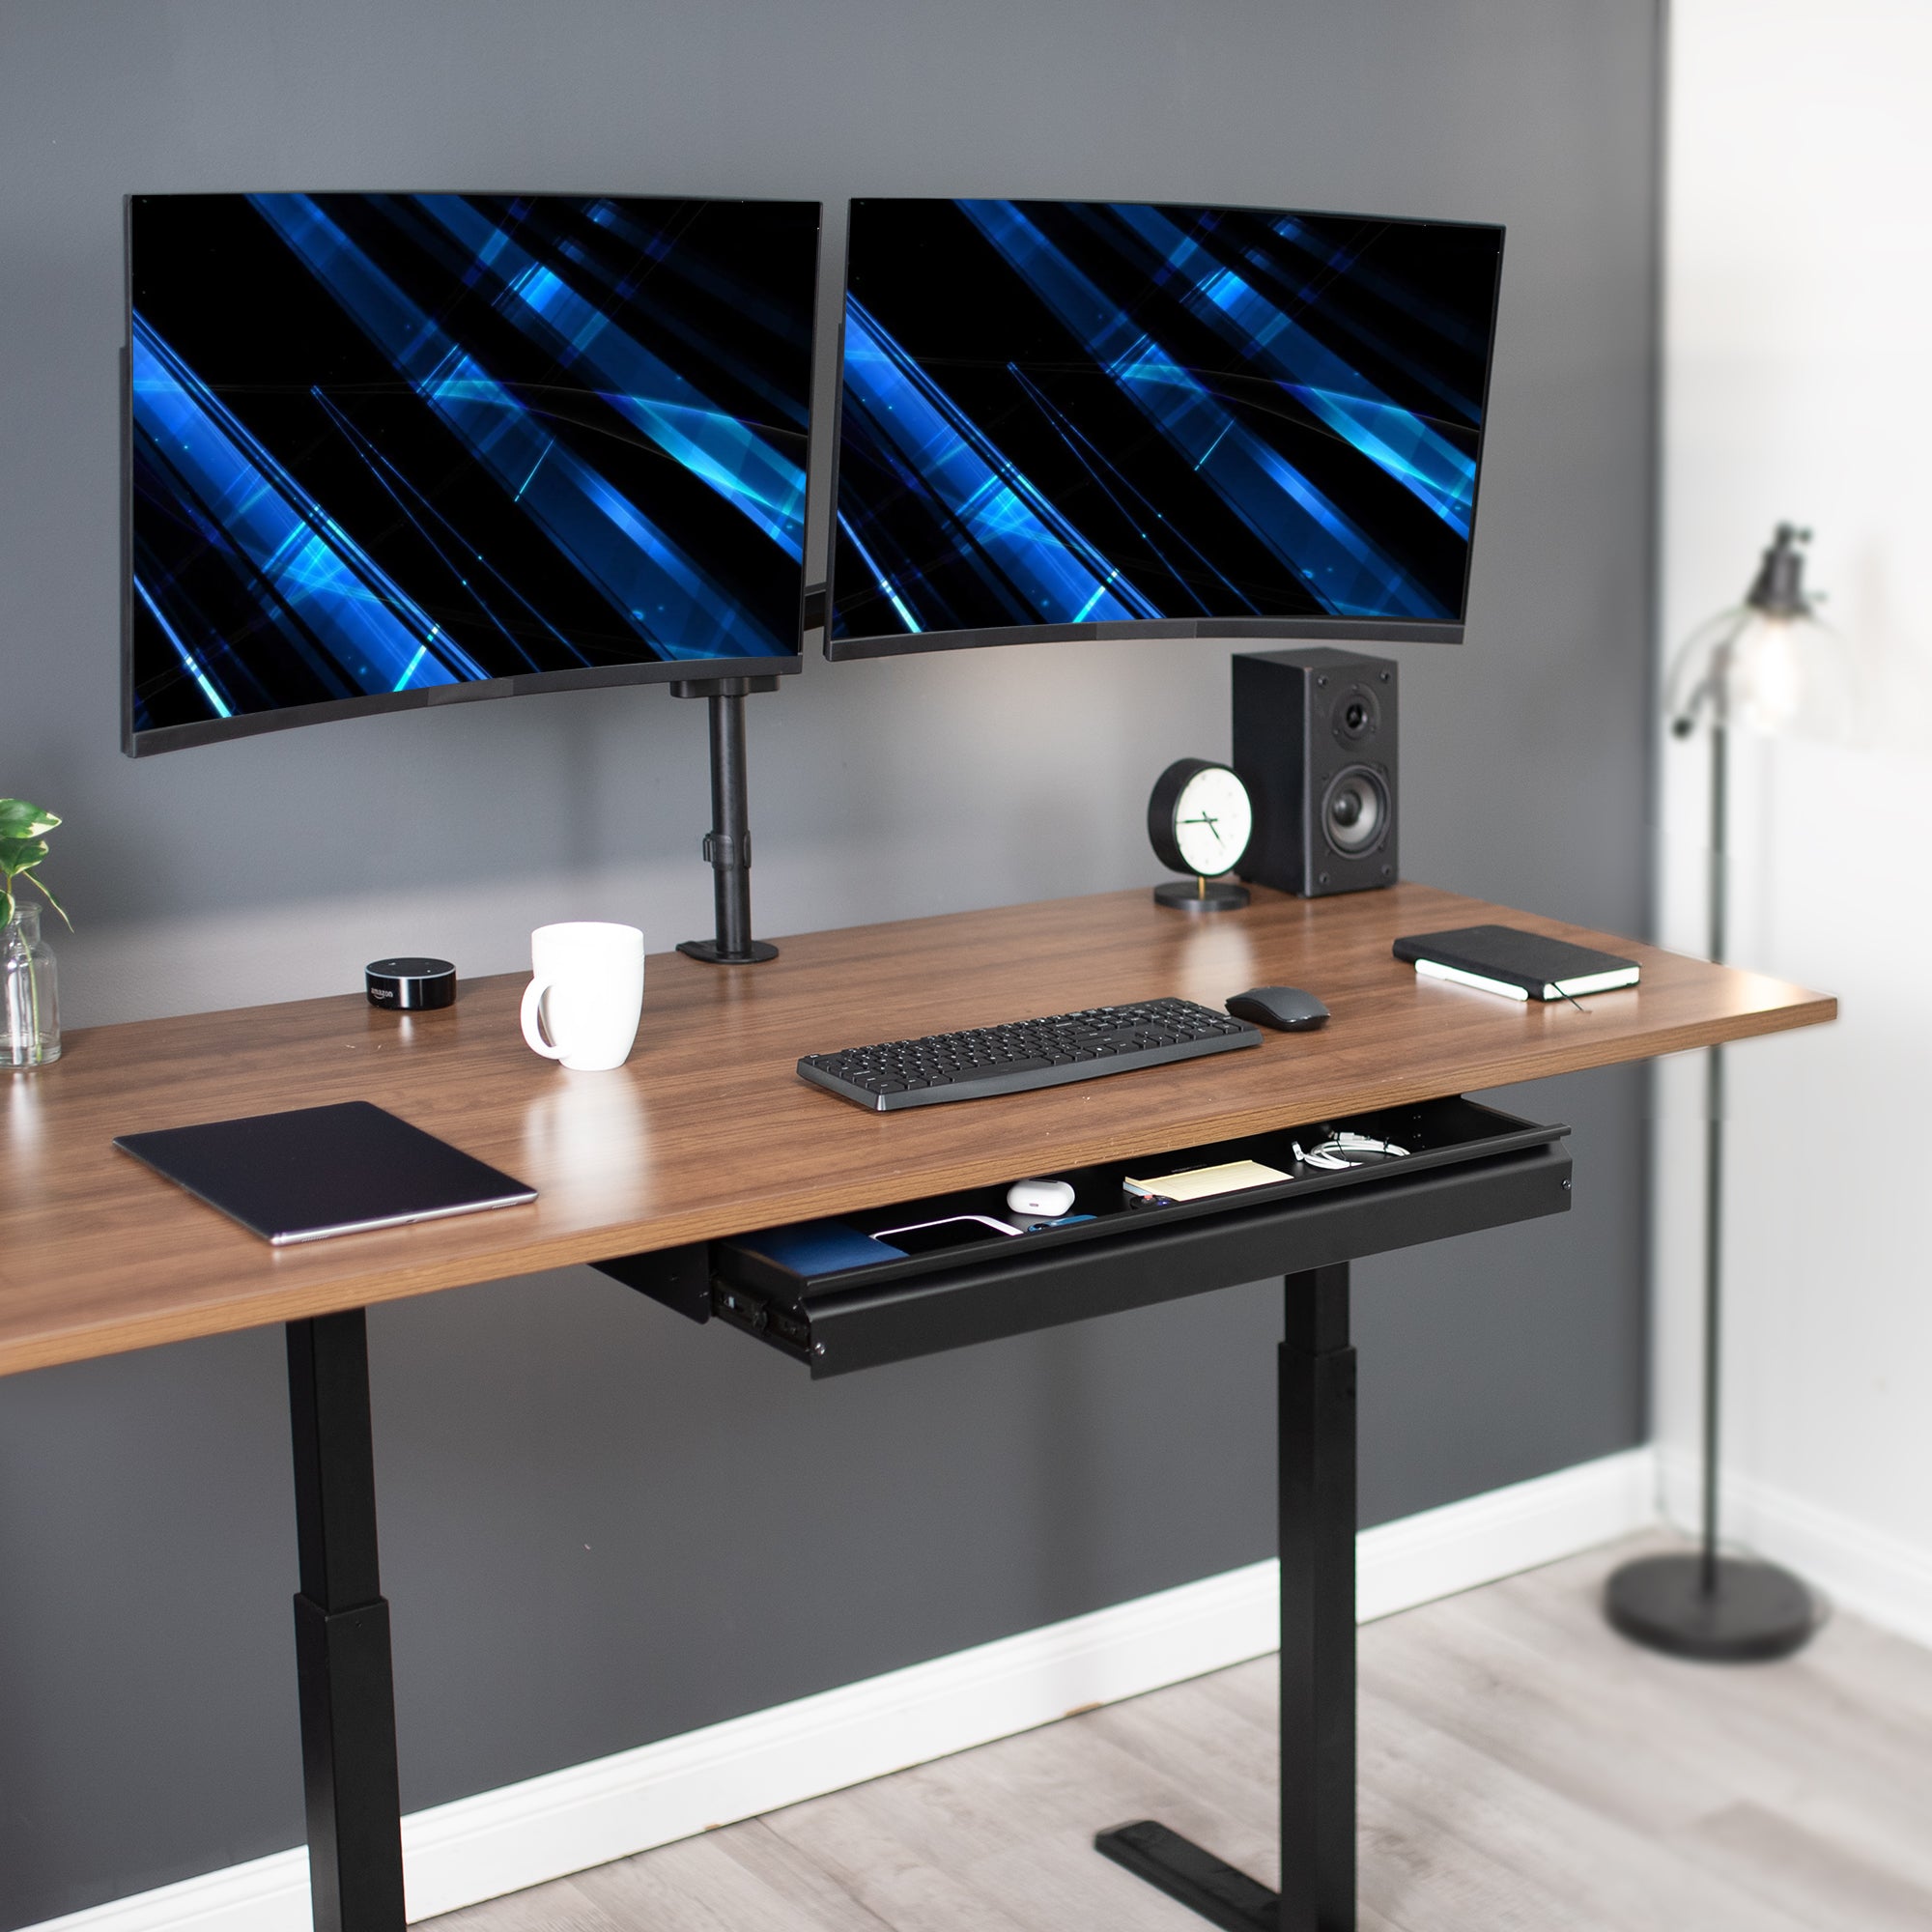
column 1212, row 821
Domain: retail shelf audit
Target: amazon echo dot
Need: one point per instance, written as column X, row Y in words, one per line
column 409, row 985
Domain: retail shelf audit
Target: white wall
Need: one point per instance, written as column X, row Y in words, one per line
column 1799, row 327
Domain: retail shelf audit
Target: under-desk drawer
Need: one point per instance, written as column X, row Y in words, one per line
column 1464, row 1166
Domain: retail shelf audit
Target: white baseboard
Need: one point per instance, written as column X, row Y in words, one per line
column 502, row 1841
column 1419, row 1558
column 1881, row 1577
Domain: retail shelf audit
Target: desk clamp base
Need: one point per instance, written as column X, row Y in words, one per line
column 1316, row 1446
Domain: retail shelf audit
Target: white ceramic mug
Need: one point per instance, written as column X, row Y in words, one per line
column 583, row 1006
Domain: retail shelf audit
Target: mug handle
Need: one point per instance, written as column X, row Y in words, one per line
column 532, row 1018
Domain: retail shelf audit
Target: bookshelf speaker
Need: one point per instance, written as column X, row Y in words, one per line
column 1314, row 743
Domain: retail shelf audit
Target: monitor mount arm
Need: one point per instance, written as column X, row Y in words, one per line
column 727, row 845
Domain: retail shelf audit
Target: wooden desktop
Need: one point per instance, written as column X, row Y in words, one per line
column 707, row 1132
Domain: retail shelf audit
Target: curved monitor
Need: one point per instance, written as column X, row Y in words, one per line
column 1069, row 419
column 389, row 451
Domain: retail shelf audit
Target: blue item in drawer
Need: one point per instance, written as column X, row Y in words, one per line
column 808, row 1248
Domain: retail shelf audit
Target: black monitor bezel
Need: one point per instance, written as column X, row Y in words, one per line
column 217, row 730
column 1238, row 630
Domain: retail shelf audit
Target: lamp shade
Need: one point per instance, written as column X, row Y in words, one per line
column 1768, row 665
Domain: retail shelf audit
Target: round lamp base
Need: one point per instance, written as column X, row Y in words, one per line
column 1756, row 1612
column 1201, row 895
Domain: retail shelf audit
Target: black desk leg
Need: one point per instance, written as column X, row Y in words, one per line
column 342, row 1635
column 1315, row 1428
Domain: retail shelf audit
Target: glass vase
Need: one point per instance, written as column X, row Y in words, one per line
column 29, row 1000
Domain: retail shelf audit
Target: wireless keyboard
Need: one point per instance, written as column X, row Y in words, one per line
column 1016, row 1059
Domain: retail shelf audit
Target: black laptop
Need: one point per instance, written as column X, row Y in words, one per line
column 322, row 1170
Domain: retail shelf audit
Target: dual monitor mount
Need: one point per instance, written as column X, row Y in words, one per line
column 727, row 845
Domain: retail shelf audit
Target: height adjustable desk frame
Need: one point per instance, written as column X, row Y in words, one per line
column 1310, row 1242
column 105, row 1257
column 342, row 1622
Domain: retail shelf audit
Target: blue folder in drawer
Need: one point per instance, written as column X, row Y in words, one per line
column 789, row 1256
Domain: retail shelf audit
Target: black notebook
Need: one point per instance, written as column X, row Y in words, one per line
column 1519, row 965
column 323, row 1171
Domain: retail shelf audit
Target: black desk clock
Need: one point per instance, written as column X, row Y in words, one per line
column 1199, row 821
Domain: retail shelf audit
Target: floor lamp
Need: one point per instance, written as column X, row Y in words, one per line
column 1767, row 667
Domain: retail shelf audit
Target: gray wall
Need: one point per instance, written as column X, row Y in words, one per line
column 602, row 1527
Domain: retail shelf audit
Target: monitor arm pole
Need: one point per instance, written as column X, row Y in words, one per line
column 727, row 845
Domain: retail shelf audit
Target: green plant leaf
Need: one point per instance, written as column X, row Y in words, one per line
column 16, row 855
column 20, row 820
column 34, row 881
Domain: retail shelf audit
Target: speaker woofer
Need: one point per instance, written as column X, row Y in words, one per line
column 1355, row 811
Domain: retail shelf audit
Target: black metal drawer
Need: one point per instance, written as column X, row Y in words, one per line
column 1469, row 1167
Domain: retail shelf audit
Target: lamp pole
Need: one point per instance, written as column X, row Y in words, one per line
column 1713, row 1159
column 1719, row 1608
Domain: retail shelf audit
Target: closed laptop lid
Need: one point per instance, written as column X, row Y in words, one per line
column 321, row 1171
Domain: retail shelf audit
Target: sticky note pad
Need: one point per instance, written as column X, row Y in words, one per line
column 1197, row 1183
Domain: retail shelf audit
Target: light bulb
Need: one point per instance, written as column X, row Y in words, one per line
column 1767, row 680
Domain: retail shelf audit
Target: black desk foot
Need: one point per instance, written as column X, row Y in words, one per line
column 1316, row 1436
column 1203, row 1883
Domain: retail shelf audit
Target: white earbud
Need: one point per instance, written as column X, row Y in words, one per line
column 1043, row 1199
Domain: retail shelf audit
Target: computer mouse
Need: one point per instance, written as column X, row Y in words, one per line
column 1287, row 1008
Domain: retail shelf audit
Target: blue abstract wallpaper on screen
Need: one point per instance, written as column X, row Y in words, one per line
column 1077, row 412
column 383, row 442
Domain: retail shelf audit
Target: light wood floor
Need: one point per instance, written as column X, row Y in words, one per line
column 1522, row 1767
